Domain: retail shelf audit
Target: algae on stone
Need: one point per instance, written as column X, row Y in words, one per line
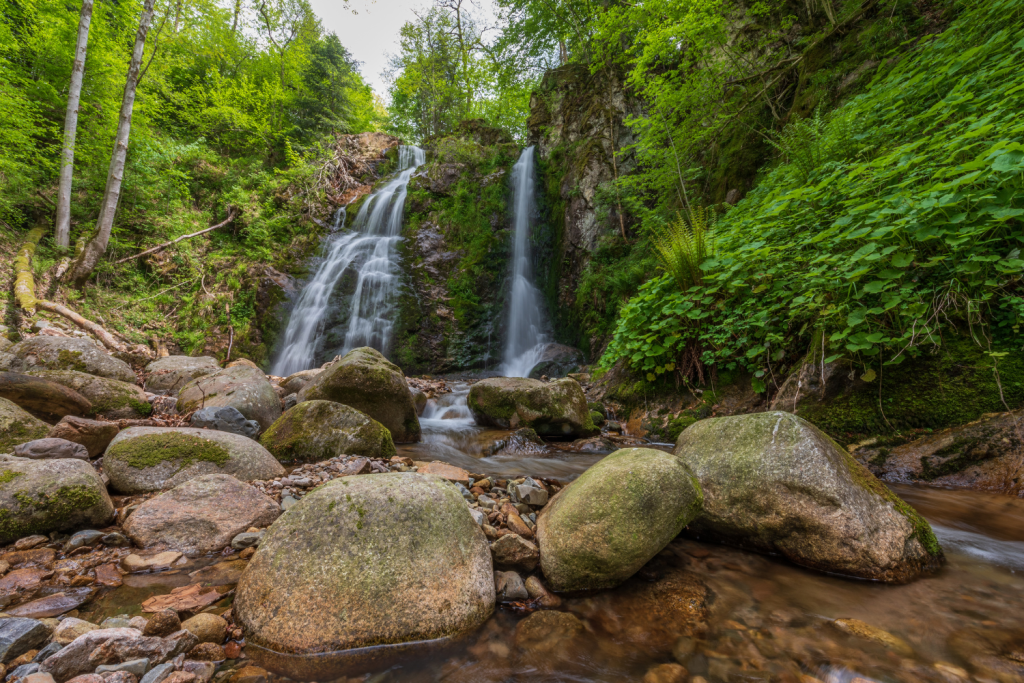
column 18, row 426
column 312, row 431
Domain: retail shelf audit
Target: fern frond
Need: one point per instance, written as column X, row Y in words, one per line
column 684, row 244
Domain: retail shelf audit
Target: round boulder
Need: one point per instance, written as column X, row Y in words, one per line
column 370, row 383
column 554, row 409
column 168, row 375
column 361, row 570
column 616, row 516
column 72, row 353
column 296, row 382
column 42, row 395
column 92, row 434
column 17, row 426
column 557, row 360
column 110, row 398
column 318, row 430
column 775, row 483
column 40, row 496
column 143, row 459
column 241, row 387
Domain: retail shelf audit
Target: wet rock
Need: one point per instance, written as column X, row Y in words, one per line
column 92, row 434
column 529, row 492
column 87, row 678
column 207, row 652
column 18, row 426
column 144, row 459
column 30, row 542
column 162, row 623
column 537, row 591
column 250, row 674
column 220, row 574
column 183, row 599
column 319, row 430
column 365, row 380
column 120, row 677
column 34, row 556
column 158, row 673
column 547, row 631
column 40, row 496
column 156, row 650
column 423, row 566
column 42, row 395
column 107, row 575
column 136, row 667
column 246, row 540
column 18, row 636
column 296, row 382
column 208, row 628
column 858, row 628
column 666, row 673
column 136, row 563
column 168, row 375
column 478, row 516
column 419, row 400
column 200, row 516
column 80, row 539
column 523, row 441
column 508, row 587
column 203, row 671
column 241, row 387
column 558, row 360
column 51, row 449
column 992, row 653
column 553, row 409
column 615, row 517
column 116, row 622
column 595, row 444
column 514, row 551
column 446, row 471
column 67, row 353
column 22, row 672
column 53, row 605
column 775, row 483
column 225, row 419
column 73, row 659
column 114, row 540
column 110, row 398
column 71, row 628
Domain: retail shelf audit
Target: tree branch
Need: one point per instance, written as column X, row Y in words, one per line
column 231, row 216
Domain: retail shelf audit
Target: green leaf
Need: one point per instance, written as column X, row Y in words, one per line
column 869, row 376
column 902, row 259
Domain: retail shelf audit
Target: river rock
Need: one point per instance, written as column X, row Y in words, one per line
column 42, row 395
column 241, row 387
column 508, row 587
column 200, row 516
column 419, row 400
column 547, row 631
column 168, row 375
column 557, row 360
column 616, row 516
column 775, row 483
column 17, row 426
column 514, row 551
column 552, row 409
column 110, row 398
column 225, row 419
column 18, row 636
column 73, row 659
column 40, row 496
column 319, row 430
column 51, row 449
column 296, row 382
column 72, row 353
column 370, row 383
column 208, row 628
column 382, row 560
column 92, row 434
column 71, row 628
column 143, row 459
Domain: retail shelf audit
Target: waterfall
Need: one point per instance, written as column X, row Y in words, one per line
column 526, row 339
column 368, row 250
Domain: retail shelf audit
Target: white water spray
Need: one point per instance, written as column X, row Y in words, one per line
column 370, row 251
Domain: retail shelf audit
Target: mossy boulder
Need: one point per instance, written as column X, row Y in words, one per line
column 168, row 375
column 17, row 426
column 297, row 381
column 72, row 353
column 40, row 496
column 318, row 430
column 241, row 387
column 775, row 483
column 42, row 395
column 363, row 570
column 110, row 398
column 616, row 516
column 552, row 409
column 143, row 459
column 370, row 383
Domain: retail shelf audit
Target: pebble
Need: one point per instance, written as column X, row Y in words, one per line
column 30, row 542
column 162, row 623
column 208, row 628
column 136, row 563
column 858, row 628
column 246, row 540
column 508, row 587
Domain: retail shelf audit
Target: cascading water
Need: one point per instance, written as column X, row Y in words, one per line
column 369, row 251
column 526, row 338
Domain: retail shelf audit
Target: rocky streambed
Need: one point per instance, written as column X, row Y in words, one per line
column 175, row 546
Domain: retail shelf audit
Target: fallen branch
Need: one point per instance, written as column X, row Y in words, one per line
column 105, row 337
column 24, row 280
column 231, row 217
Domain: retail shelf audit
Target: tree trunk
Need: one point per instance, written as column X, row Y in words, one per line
column 97, row 246
column 62, row 233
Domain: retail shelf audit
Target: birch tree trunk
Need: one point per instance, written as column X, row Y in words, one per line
column 97, row 246
column 62, row 233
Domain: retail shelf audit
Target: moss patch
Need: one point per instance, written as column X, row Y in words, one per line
column 48, row 511
column 153, row 449
column 70, row 360
column 7, row 476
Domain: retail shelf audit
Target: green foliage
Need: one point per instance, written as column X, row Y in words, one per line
column 684, row 245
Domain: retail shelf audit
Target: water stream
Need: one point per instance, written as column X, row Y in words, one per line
column 369, row 250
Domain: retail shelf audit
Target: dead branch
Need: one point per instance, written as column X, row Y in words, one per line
column 231, row 217
column 92, row 328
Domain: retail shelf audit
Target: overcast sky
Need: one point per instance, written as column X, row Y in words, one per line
column 372, row 31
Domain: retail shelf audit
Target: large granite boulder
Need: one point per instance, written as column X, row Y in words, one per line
column 553, row 409
column 370, row 383
column 319, row 430
column 297, row 381
column 241, row 387
column 72, row 353
column 40, row 496
column 606, row 525
column 17, row 426
column 775, row 483
column 200, row 516
column 363, row 570
column 168, row 375
column 143, row 459
column 110, row 398
column 92, row 434
column 42, row 395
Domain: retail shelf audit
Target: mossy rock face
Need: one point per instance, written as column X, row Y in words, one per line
column 552, row 409
column 40, row 496
column 168, row 375
column 110, row 398
column 143, row 459
column 370, row 383
column 775, row 483
column 43, row 395
column 615, row 517
column 241, row 387
column 363, row 569
column 297, row 381
column 63, row 353
column 318, row 430
column 17, row 426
